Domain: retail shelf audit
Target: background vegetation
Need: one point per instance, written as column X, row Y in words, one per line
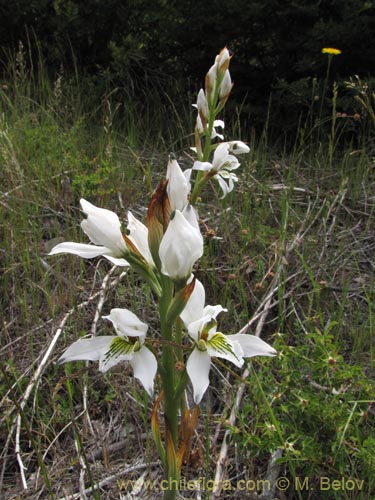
column 91, row 102
column 135, row 45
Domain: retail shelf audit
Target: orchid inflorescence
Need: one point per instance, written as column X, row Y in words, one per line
column 164, row 251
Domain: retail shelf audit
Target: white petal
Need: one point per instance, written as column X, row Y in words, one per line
column 87, row 349
column 213, row 311
column 222, row 58
column 223, row 185
column 215, row 134
column 211, row 78
column 178, row 187
column 220, row 155
column 106, row 216
column 231, row 163
column 116, row 261
column 127, row 323
column 191, row 216
column 180, row 247
column 226, row 85
column 198, row 367
column 219, row 123
column 103, row 213
column 139, row 236
column 226, row 348
column 188, row 171
column 252, row 345
column 238, row 147
column 199, row 125
column 81, row 249
column 228, row 175
column 145, row 366
column 202, row 104
column 202, row 165
column 101, row 231
column 226, row 185
column 106, row 363
column 194, row 306
column 195, row 327
column 103, row 227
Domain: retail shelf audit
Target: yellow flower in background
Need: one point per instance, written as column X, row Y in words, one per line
column 331, row 51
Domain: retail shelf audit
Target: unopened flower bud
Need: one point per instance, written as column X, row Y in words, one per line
column 178, row 187
column 222, row 60
column 226, row 86
column 202, row 104
column 210, row 82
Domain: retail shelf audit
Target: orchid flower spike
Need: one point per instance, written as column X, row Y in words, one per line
column 127, row 345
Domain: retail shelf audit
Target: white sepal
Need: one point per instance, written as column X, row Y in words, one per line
column 180, row 247
column 198, row 368
column 127, row 324
column 103, row 227
column 138, row 234
column 178, row 186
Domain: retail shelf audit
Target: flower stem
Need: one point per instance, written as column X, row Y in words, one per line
column 168, row 376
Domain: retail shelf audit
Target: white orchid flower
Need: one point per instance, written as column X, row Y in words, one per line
column 103, row 227
column 221, row 167
column 200, row 321
column 178, row 187
column 127, row 345
column 209, row 343
column 222, row 160
column 181, row 246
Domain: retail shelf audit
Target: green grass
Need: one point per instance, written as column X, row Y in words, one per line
column 299, row 226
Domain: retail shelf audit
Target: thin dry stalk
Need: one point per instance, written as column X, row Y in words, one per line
column 35, row 379
column 110, row 479
column 261, row 316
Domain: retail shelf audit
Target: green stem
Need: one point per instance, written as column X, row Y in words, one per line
column 178, row 339
column 168, row 376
